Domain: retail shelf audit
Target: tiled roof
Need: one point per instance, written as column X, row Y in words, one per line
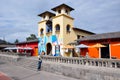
column 74, row 28
column 7, row 45
column 112, row 35
column 54, row 9
column 36, row 40
column 46, row 12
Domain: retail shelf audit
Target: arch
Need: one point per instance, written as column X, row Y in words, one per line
column 59, row 11
column 49, row 48
column 41, row 31
column 66, row 11
column 49, row 26
column 68, row 28
column 57, row 27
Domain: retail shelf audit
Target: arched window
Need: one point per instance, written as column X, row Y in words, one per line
column 50, row 17
column 68, row 28
column 66, row 11
column 59, row 11
column 43, row 17
column 41, row 31
column 49, row 26
column 57, row 27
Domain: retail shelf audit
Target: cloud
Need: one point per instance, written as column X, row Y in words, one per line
column 95, row 15
column 18, row 19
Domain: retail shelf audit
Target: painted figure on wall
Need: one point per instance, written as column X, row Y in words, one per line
column 49, row 45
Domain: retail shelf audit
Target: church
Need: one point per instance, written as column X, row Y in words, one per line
column 56, row 30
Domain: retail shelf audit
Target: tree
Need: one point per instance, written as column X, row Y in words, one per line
column 16, row 41
column 31, row 37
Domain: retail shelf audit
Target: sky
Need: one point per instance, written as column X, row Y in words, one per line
column 18, row 18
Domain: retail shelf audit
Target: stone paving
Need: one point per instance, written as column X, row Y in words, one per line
column 20, row 73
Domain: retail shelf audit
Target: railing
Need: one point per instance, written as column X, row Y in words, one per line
column 113, row 63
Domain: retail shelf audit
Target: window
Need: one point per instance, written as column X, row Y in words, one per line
column 49, row 26
column 66, row 11
column 68, row 28
column 41, row 31
column 43, row 17
column 50, row 17
column 59, row 11
column 78, row 36
column 57, row 27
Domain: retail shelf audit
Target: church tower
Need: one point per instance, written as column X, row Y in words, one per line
column 64, row 21
column 45, row 32
column 57, row 30
column 45, row 25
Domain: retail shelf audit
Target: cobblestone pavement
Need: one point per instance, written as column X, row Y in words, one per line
column 20, row 73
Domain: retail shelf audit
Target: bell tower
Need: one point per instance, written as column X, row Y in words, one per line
column 64, row 21
column 45, row 25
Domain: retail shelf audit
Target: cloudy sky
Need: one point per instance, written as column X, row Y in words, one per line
column 18, row 18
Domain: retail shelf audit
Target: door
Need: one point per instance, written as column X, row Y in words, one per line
column 105, row 52
column 49, row 49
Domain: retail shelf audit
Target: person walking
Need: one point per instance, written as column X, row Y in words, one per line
column 39, row 63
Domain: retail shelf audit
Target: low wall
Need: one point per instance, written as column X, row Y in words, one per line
column 83, row 72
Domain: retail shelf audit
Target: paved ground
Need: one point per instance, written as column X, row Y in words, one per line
column 4, row 77
column 20, row 73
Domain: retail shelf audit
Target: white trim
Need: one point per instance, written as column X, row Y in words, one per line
column 110, row 51
column 99, row 53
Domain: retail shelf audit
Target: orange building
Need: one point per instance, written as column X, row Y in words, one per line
column 106, row 45
column 30, row 46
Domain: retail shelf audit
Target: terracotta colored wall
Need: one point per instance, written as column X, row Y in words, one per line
column 34, row 46
column 92, row 52
column 115, row 50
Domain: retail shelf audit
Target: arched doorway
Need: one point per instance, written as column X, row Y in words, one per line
column 49, row 48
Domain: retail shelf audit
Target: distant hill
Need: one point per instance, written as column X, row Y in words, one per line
column 4, row 42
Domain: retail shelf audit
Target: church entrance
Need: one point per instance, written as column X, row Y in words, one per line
column 49, row 49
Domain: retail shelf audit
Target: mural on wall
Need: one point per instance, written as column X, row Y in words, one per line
column 41, row 45
column 51, row 39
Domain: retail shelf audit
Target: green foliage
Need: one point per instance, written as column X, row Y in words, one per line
column 31, row 37
column 16, row 41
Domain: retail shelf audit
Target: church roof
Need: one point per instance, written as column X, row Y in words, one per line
column 111, row 35
column 62, row 5
column 74, row 28
column 46, row 12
